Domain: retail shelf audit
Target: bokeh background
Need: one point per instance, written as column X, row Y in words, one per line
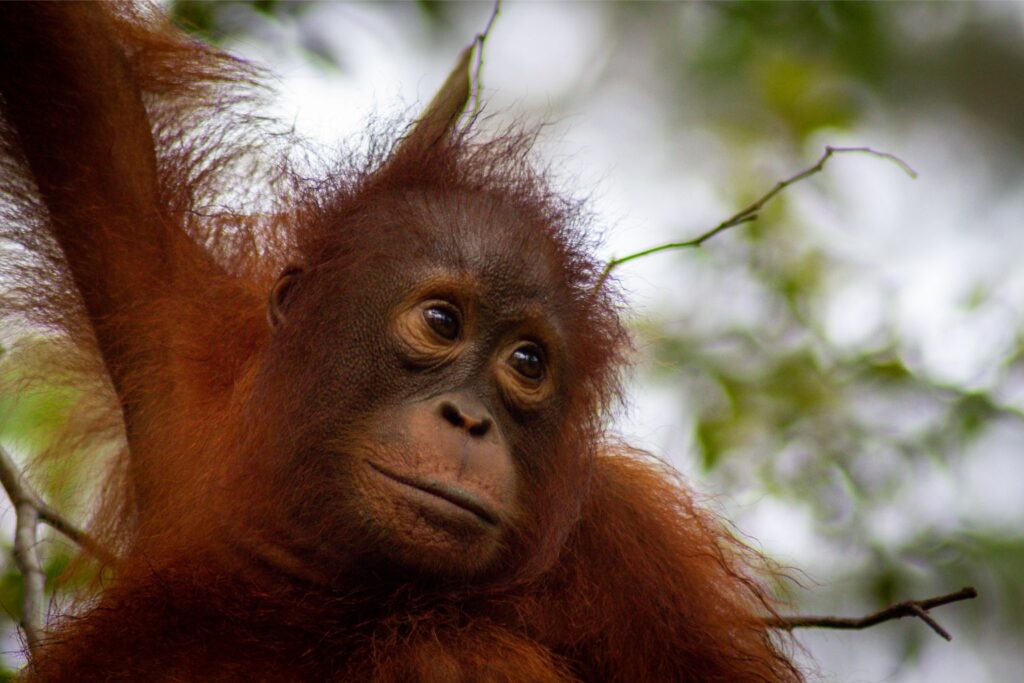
column 844, row 378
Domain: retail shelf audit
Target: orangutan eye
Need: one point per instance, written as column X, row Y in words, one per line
column 528, row 361
column 443, row 320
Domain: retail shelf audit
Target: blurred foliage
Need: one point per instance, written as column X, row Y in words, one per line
column 846, row 432
column 852, row 433
column 213, row 21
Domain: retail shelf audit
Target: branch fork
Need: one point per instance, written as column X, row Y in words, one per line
column 30, row 509
column 907, row 608
column 750, row 213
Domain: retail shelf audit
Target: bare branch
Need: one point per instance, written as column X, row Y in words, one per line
column 50, row 516
column 907, row 608
column 26, row 557
column 30, row 509
column 19, row 490
column 750, row 212
column 478, row 41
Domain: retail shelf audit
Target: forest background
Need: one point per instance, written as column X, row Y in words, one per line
column 845, row 376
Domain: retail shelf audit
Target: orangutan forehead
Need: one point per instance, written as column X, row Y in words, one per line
column 486, row 239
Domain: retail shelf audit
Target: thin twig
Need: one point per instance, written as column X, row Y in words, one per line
column 26, row 557
column 478, row 68
column 907, row 608
column 30, row 509
column 750, row 213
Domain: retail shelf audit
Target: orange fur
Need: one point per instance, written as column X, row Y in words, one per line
column 126, row 145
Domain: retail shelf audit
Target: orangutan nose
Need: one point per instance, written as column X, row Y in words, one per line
column 460, row 413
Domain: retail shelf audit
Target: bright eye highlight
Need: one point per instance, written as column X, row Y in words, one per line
column 443, row 320
column 528, row 361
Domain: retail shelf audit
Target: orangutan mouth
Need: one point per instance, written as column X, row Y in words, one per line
column 444, row 491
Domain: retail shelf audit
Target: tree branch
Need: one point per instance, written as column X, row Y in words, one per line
column 30, row 510
column 907, row 608
column 750, row 212
column 479, row 40
column 33, row 578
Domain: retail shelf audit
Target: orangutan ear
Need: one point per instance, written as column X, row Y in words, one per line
column 278, row 302
column 443, row 113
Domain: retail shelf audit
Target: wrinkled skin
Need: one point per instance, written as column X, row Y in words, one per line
column 427, row 436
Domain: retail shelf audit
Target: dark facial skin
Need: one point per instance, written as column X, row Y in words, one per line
column 434, row 385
